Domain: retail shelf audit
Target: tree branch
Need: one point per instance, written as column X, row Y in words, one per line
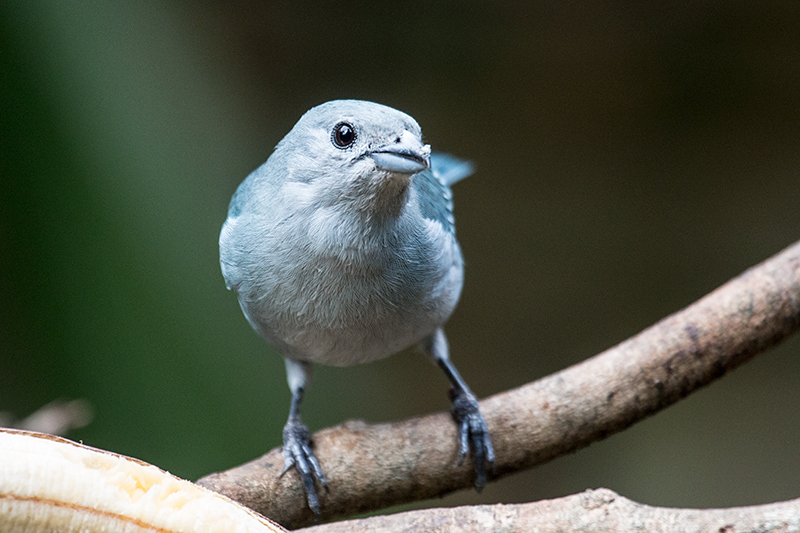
column 593, row 511
column 374, row 466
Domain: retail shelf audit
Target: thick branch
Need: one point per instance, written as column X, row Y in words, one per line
column 593, row 511
column 373, row 466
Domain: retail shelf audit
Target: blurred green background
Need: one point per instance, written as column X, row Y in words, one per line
column 631, row 157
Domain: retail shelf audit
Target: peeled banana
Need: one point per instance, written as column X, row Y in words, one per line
column 53, row 485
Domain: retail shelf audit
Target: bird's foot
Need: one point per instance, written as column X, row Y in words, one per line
column 472, row 433
column 297, row 452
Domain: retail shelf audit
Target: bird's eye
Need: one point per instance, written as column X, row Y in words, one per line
column 343, row 135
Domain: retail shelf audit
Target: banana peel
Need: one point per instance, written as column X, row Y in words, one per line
column 53, row 485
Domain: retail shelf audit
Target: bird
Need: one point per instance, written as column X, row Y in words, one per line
column 341, row 249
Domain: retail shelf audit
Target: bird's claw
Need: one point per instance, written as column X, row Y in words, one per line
column 297, row 452
column 473, row 433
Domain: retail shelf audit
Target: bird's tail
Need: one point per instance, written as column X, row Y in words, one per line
column 450, row 169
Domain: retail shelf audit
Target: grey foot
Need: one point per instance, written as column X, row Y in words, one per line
column 472, row 433
column 297, row 452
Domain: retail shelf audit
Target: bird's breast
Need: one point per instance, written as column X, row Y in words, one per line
column 342, row 294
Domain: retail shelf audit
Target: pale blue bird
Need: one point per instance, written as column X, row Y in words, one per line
column 341, row 249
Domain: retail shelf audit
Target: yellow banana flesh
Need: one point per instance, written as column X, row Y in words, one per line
column 53, row 485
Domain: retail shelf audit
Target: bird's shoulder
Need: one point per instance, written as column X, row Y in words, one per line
column 259, row 192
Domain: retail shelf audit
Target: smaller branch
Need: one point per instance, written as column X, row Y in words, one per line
column 593, row 511
column 374, row 466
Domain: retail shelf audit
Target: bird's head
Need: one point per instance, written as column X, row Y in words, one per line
column 352, row 151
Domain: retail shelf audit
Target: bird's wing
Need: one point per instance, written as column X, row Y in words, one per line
column 433, row 188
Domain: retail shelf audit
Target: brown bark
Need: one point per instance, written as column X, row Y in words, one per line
column 593, row 511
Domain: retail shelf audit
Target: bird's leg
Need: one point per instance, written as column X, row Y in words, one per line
column 472, row 430
column 297, row 450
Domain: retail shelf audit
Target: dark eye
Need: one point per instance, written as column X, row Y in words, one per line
column 343, row 135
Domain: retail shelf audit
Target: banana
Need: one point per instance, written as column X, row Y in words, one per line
column 53, row 485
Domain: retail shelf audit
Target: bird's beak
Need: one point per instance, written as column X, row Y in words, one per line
column 406, row 155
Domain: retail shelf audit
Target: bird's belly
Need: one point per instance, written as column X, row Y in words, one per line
column 345, row 316
column 356, row 343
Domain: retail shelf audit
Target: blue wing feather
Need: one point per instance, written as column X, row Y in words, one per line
column 433, row 188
